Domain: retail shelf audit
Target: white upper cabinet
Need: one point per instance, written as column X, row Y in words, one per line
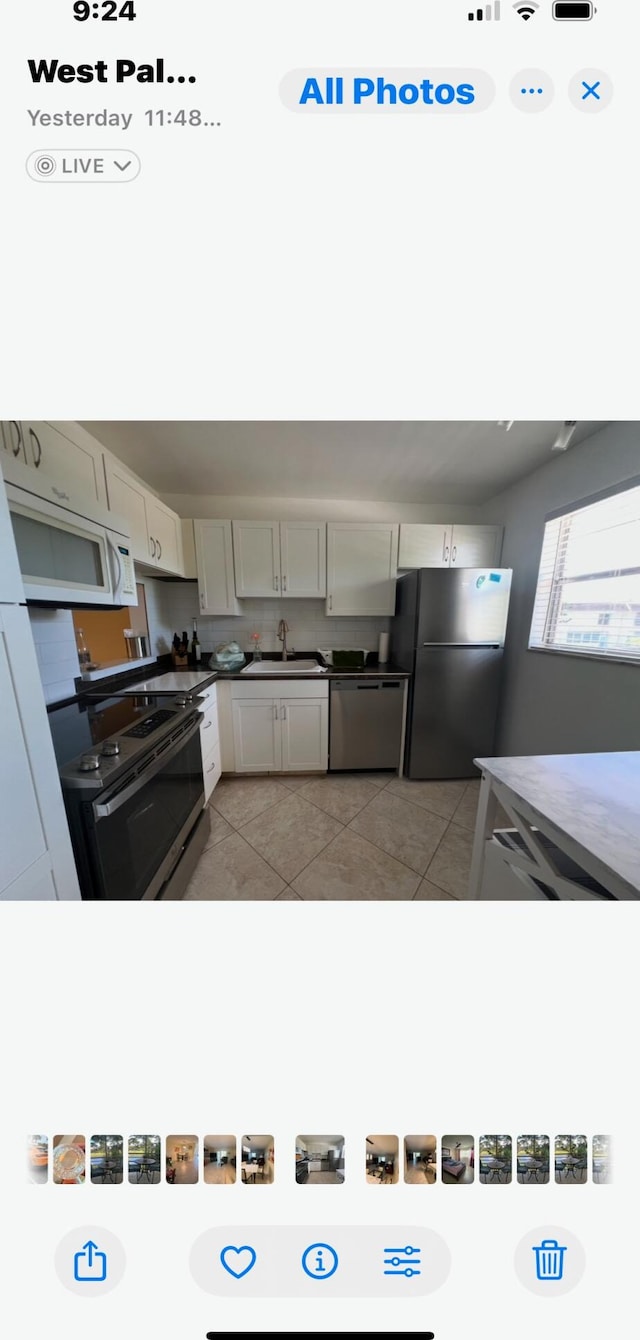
column 12, row 439
column 303, row 558
column 155, row 531
column 127, row 497
column 280, row 558
column 63, row 451
column 424, row 546
column 446, row 546
column 165, row 531
column 256, row 548
column 214, row 559
column 475, row 546
column 362, row 561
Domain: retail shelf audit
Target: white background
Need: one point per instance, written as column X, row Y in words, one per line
column 289, row 265
column 289, row 1018
column 294, row 267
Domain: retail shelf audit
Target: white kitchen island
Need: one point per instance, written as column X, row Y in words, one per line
column 576, row 828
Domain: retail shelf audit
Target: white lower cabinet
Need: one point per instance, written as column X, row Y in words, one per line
column 212, row 770
column 256, row 734
column 210, row 740
column 34, row 885
column 304, row 734
column 280, row 727
column 36, row 860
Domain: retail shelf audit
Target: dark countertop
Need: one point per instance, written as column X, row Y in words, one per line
column 163, row 665
column 386, row 671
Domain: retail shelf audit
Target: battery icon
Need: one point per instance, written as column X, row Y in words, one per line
column 573, row 10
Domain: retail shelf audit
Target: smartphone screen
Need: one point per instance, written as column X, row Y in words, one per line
column 320, row 743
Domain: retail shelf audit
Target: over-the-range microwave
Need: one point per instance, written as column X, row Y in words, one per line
column 71, row 551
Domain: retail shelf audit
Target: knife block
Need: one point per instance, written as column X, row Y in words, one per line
column 178, row 660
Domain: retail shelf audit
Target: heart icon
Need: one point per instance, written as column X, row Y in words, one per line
column 238, row 1260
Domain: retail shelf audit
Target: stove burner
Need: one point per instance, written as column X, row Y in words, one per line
column 149, row 725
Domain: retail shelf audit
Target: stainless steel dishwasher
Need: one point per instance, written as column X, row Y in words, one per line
column 365, row 723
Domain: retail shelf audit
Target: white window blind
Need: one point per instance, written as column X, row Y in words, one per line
column 588, row 592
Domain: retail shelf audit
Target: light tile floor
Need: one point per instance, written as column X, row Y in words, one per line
column 360, row 836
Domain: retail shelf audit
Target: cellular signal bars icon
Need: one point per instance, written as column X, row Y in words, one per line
column 489, row 12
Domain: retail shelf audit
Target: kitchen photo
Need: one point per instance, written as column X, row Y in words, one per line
column 320, row 1160
column 320, row 661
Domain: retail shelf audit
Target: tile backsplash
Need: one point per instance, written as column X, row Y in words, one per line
column 55, row 643
column 172, row 607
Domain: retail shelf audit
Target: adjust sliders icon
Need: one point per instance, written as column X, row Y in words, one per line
column 404, row 1261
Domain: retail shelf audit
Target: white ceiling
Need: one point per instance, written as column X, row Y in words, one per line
column 416, row 1144
column 258, row 1144
column 382, row 1144
column 214, row 1144
column 439, row 461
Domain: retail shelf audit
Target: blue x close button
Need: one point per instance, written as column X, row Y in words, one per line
column 591, row 90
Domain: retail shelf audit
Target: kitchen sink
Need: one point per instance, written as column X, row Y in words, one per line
column 283, row 668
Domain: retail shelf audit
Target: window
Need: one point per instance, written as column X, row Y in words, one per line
column 588, row 592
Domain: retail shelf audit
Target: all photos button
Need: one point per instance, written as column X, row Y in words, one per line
column 83, row 165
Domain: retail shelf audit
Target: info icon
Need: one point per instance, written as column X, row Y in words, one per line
column 531, row 90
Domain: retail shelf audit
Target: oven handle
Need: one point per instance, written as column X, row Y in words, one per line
column 109, row 807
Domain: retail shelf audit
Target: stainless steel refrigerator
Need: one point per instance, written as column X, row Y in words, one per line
column 449, row 630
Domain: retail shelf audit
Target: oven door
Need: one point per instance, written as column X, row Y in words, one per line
column 137, row 833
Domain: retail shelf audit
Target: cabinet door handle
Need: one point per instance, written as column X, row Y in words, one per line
column 36, row 439
column 202, row 600
column 276, row 714
column 211, row 767
column 152, row 546
column 284, row 583
column 330, row 602
column 453, row 553
column 275, row 583
column 13, row 423
column 207, row 724
column 284, row 712
column 444, row 547
column 446, row 554
column 159, row 548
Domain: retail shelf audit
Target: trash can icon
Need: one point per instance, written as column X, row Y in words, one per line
column 549, row 1260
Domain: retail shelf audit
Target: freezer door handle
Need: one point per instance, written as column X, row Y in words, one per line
column 462, row 644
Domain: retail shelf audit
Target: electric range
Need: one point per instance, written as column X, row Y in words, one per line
column 131, row 776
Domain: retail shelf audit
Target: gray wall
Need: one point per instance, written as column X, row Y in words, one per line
column 554, row 703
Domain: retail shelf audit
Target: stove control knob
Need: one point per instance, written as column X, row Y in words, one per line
column 89, row 763
column 183, row 699
column 110, row 748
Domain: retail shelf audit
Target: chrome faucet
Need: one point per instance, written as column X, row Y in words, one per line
column 283, row 629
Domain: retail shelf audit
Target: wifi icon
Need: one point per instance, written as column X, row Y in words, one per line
column 527, row 11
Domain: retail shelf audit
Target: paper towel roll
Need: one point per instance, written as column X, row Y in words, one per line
column 383, row 647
